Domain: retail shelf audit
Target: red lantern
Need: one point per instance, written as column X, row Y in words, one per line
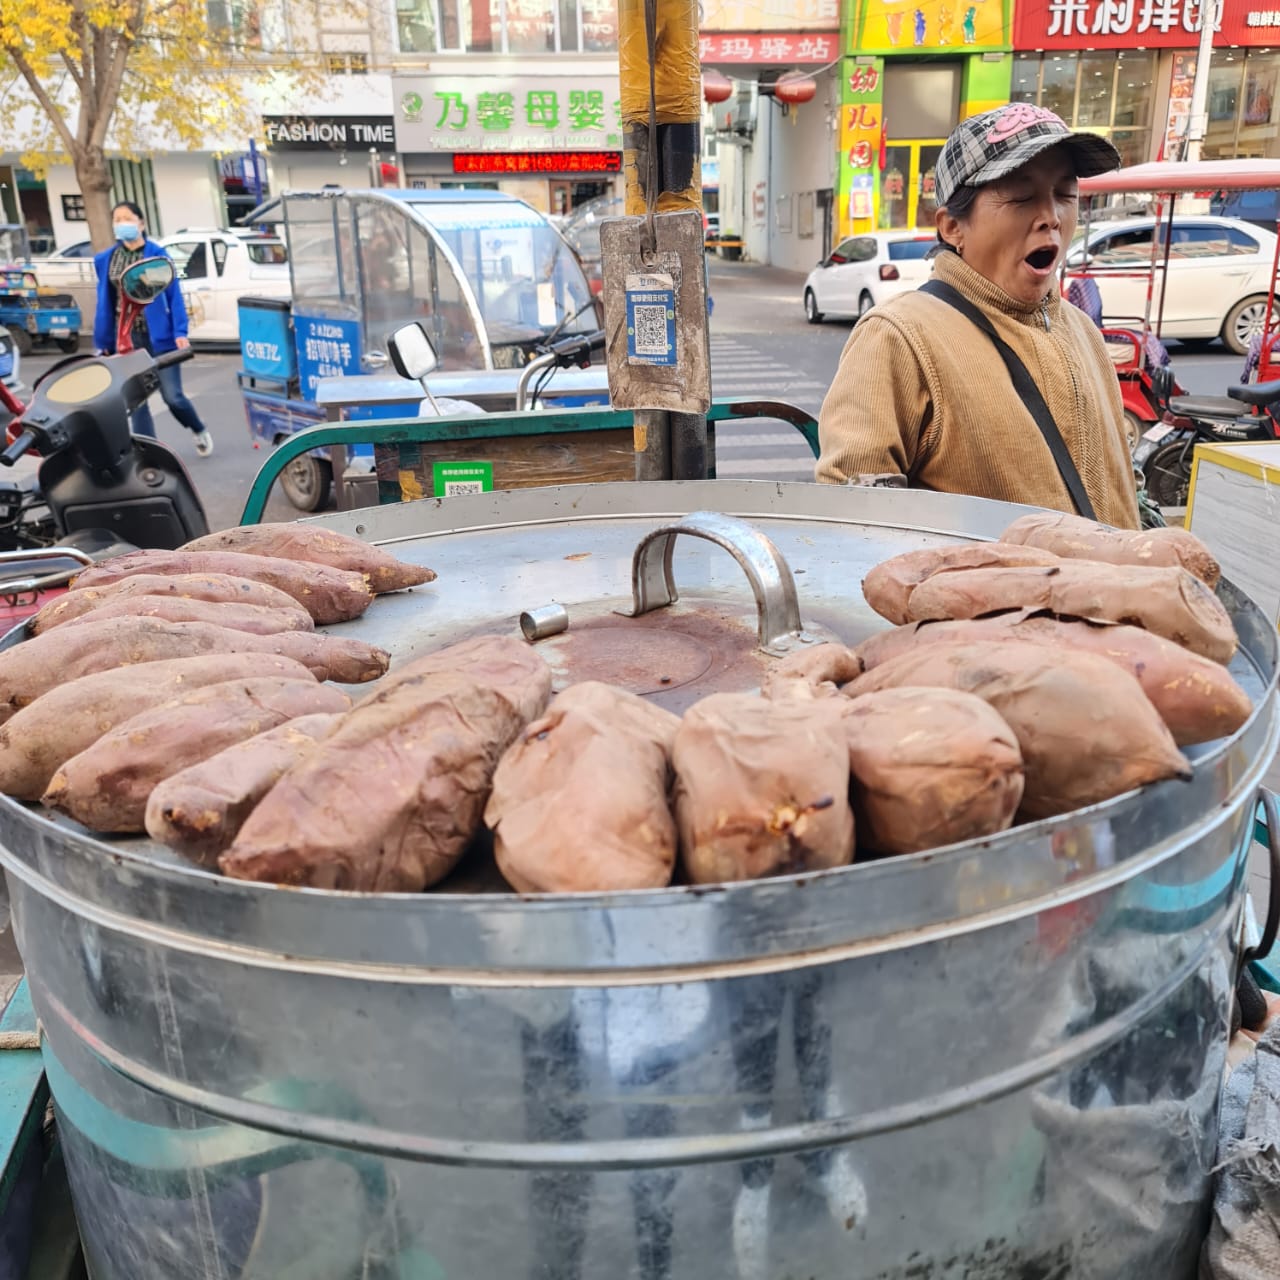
column 716, row 86
column 794, row 88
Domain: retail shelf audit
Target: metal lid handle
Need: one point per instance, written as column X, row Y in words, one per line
column 777, row 609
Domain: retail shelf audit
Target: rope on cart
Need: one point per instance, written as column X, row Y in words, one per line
column 22, row 1039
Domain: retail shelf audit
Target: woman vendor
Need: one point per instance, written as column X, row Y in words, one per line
column 984, row 382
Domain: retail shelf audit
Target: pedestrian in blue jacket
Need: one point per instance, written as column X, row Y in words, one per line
column 160, row 327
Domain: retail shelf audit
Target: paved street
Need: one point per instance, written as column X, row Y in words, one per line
column 761, row 346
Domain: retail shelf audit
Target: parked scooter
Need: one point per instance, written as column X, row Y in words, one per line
column 1249, row 411
column 99, row 490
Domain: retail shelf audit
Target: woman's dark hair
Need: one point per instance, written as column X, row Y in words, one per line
column 133, row 209
column 960, row 206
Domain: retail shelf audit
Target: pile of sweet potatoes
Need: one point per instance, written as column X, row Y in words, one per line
column 156, row 661
column 180, row 693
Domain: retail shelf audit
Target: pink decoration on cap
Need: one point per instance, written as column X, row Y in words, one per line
column 1019, row 116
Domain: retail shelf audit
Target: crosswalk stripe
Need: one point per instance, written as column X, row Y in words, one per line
column 746, row 440
column 783, row 470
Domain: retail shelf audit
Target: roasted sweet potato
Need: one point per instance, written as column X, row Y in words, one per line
column 1167, row 602
column 328, row 595
column 1075, row 538
column 815, row 672
column 106, row 786
column 929, row 767
column 216, row 588
column 199, row 810
column 391, row 798
column 256, row 619
column 317, row 546
column 888, row 586
column 66, row 720
column 1086, row 730
column 1197, row 698
column 66, row 653
column 580, row 801
column 762, row 787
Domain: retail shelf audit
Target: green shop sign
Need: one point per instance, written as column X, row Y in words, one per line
column 514, row 113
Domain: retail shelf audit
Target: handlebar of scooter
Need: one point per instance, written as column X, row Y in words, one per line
column 173, row 357
column 17, row 448
column 576, row 349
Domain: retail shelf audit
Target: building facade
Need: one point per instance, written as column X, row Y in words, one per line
column 522, row 96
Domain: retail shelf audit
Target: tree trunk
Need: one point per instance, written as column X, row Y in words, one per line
column 94, row 179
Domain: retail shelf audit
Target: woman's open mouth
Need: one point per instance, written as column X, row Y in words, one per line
column 1042, row 260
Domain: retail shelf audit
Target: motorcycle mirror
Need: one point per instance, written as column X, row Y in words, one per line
column 146, row 280
column 412, row 352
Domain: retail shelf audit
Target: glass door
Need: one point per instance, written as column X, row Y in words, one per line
column 906, row 186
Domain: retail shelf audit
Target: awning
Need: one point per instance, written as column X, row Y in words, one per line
column 1186, row 177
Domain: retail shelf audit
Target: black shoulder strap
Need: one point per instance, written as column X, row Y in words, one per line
column 1025, row 386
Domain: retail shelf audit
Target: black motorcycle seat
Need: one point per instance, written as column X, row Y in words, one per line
column 1256, row 393
column 1221, row 408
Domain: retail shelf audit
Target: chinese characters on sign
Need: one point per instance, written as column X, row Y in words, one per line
column 538, row 162
column 327, row 348
column 1118, row 24
column 768, row 15
column 816, row 49
column 1121, row 17
column 861, row 125
column 487, row 113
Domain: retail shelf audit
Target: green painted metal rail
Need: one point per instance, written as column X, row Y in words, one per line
column 490, row 427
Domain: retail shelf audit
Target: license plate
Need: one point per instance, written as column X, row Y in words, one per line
column 60, row 333
column 1158, row 432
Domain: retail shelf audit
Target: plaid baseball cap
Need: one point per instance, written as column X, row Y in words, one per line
column 995, row 143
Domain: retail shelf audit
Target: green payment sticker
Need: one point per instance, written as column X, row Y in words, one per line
column 453, row 478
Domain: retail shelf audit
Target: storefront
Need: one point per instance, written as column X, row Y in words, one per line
column 308, row 152
column 554, row 139
column 1126, row 71
column 913, row 73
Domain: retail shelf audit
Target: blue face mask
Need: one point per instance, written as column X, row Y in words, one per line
column 126, row 231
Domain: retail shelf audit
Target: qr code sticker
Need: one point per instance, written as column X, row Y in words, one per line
column 453, row 488
column 651, row 330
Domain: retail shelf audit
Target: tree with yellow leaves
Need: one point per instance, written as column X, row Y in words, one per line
column 102, row 68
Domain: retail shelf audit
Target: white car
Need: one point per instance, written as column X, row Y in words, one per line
column 1219, row 275
column 865, row 270
column 216, row 268
column 67, row 267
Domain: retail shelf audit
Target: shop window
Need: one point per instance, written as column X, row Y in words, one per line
column 921, row 101
column 599, row 25
column 531, row 26
column 1058, row 84
column 1026, row 78
column 1106, row 93
column 1097, row 90
column 507, row 26
column 1133, row 91
column 1244, row 115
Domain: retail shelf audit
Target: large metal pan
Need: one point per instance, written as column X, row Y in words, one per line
column 995, row 1060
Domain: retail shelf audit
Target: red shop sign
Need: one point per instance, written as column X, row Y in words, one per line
column 806, row 48
column 537, row 162
column 1130, row 24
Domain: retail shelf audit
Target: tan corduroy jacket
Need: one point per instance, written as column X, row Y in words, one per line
column 922, row 392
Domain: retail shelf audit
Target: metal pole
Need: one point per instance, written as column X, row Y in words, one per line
column 667, row 446
column 1198, row 121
